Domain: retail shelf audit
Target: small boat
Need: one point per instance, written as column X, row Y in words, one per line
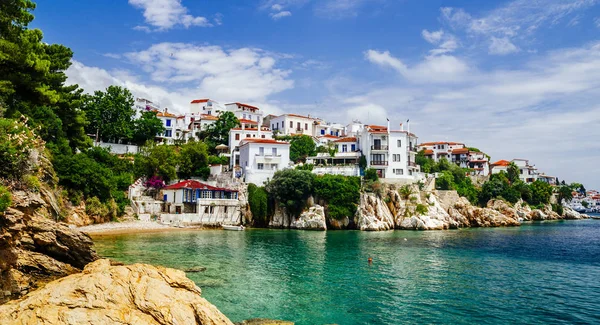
column 232, row 227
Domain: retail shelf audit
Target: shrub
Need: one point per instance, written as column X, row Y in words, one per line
column 257, row 198
column 291, row 188
column 5, row 198
column 421, row 209
column 308, row 167
column 405, row 192
column 371, row 175
column 445, row 181
column 540, row 192
column 16, row 143
column 558, row 208
column 32, row 182
column 341, row 193
column 94, row 207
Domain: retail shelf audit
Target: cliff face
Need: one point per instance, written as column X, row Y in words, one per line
column 410, row 208
column 33, row 248
column 106, row 294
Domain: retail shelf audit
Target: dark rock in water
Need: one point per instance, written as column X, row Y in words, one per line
column 263, row 321
column 196, row 269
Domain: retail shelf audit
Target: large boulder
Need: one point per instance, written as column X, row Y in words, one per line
column 436, row 217
column 313, row 219
column 373, row 214
column 571, row 214
column 470, row 216
column 35, row 249
column 106, row 294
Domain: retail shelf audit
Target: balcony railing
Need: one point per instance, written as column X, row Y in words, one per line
column 412, row 164
column 413, row 149
column 379, row 163
column 268, row 155
column 379, row 147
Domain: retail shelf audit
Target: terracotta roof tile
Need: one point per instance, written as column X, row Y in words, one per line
column 349, row 139
column 193, row 184
column 501, row 163
column 196, row 101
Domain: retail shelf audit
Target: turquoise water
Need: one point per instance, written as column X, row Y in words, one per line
column 540, row 273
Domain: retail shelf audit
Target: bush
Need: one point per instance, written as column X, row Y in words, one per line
column 371, row 175
column 291, row 188
column 308, row 167
column 16, row 143
column 445, row 181
column 421, row 209
column 558, row 208
column 341, row 193
column 32, row 182
column 94, row 207
column 5, row 198
column 540, row 192
column 257, row 198
column 405, row 192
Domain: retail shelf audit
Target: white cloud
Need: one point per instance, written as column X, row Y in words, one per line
column 276, row 7
column 174, row 73
column 166, row 14
column 502, row 46
column 142, row 29
column 597, row 22
column 432, row 37
column 545, row 110
column 515, row 22
column 281, row 14
column 433, row 69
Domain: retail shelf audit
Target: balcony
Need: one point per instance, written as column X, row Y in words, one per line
column 413, row 149
column 379, row 147
column 379, row 163
column 269, row 156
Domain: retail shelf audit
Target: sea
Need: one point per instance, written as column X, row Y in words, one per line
column 539, row 273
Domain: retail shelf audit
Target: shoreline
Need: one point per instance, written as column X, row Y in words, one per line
column 129, row 227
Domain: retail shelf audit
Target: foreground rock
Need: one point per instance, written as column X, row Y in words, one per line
column 34, row 249
column 105, row 294
column 373, row 214
column 313, row 219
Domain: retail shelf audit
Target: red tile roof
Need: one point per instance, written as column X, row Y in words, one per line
column 193, row 184
column 208, row 117
column 246, row 121
column 196, row 101
column 257, row 140
column 300, row 116
column 263, row 129
column 245, row 105
column 329, row 136
column 459, row 151
column 501, row 163
column 164, row 114
column 440, row 142
column 350, row 139
column 428, row 152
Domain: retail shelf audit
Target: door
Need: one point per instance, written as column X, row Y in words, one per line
column 377, row 144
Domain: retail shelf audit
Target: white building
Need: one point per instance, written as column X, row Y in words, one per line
column 261, row 158
column 325, row 140
column 237, row 135
column 322, row 128
column 293, row 124
column 344, row 161
column 143, row 104
column 245, row 111
column 459, row 154
column 175, row 127
column 527, row 172
column 205, row 106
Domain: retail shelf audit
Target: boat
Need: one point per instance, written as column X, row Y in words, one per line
column 232, row 227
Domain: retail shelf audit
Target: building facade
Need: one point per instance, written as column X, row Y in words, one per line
column 458, row 154
column 245, row 112
column 527, row 173
column 293, row 124
column 259, row 159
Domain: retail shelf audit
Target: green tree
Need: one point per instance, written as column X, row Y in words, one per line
column 193, row 160
column 258, row 200
column 16, row 144
column 146, row 127
column 157, row 160
column 371, row 175
column 425, row 163
column 540, row 193
column 513, row 172
column 218, row 132
column 445, row 181
column 111, row 114
column 341, row 193
column 291, row 188
column 565, row 193
column 301, row 147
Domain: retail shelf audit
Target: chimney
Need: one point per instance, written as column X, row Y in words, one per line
column 408, row 126
column 166, row 110
column 388, row 126
column 401, row 127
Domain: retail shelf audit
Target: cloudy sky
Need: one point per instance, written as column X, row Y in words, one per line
column 518, row 79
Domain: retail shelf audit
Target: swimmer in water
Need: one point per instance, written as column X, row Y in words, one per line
column 370, row 260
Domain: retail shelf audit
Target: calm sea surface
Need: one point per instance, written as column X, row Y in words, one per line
column 540, row 273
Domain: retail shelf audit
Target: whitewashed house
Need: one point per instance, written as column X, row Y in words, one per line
column 459, row 154
column 342, row 160
column 245, row 111
column 205, row 106
column 174, row 126
column 527, row 173
column 293, row 124
column 237, row 135
column 259, row 159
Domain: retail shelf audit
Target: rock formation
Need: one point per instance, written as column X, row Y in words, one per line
column 106, row 294
column 313, row 219
column 34, row 249
column 373, row 215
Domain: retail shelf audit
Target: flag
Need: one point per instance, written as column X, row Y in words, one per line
column 388, row 119
column 407, row 121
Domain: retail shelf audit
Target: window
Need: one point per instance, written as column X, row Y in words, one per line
column 168, row 133
column 225, row 209
column 273, row 126
column 262, row 136
column 399, row 143
column 345, row 148
column 206, row 194
column 261, row 166
column 298, row 125
column 237, row 136
column 306, row 126
column 322, row 131
column 247, row 135
column 398, row 171
column 396, row 157
column 353, row 147
column 244, row 116
column 274, row 166
column 291, row 124
column 261, row 151
column 257, row 119
column 168, row 122
column 274, row 151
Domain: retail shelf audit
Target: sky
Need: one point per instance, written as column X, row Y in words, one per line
column 516, row 79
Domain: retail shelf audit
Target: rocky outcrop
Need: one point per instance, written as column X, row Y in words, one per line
column 573, row 215
column 280, row 218
column 107, row 294
column 313, row 219
column 470, row 216
column 34, row 249
column 373, row 214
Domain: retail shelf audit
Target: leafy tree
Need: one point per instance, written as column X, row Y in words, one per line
column 16, row 143
column 302, row 147
column 445, row 181
column 362, row 162
column 468, row 190
column 218, row 132
column 425, row 163
column 341, row 193
column 540, row 193
column 157, row 160
column 291, row 188
column 111, row 114
column 524, row 190
column 565, row 193
column 494, row 188
column 258, row 200
column 371, row 175
column 585, row 204
column 146, row 127
column 513, row 172
column 193, row 160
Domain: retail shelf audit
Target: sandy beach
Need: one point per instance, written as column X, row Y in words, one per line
column 129, row 227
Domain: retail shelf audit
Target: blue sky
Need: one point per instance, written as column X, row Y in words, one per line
column 518, row 79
